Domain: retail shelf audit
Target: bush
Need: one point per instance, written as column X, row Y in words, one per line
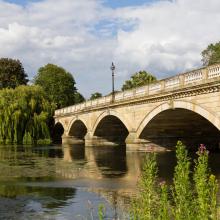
column 187, row 199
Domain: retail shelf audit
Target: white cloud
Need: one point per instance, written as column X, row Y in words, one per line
column 165, row 37
column 170, row 36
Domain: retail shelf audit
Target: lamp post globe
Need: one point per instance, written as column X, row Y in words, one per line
column 113, row 81
column 112, row 67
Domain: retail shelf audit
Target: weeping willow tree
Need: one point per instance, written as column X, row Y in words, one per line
column 24, row 115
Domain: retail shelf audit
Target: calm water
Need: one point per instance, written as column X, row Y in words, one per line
column 70, row 182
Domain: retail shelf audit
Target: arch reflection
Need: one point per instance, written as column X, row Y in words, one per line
column 111, row 161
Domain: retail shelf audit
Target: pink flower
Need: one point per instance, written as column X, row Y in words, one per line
column 202, row 149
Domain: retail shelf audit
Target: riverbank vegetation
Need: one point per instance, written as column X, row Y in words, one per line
column 25, row 115
column 190, row 196
column 26, row 111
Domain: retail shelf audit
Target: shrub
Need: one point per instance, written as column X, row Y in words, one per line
column 189, row 198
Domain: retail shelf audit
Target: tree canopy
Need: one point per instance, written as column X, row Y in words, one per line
column 140, row 78
column 95, row 95
column 58, row 84
column 78, row 98
column 24, row 114
column 211, row 55
column 12, row 73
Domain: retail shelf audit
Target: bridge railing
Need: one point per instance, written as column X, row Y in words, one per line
column 168, row 84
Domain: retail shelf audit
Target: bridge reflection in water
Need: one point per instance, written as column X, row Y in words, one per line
column 113, row 172
column 110, row 162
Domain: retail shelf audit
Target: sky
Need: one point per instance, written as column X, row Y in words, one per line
column 163, row 37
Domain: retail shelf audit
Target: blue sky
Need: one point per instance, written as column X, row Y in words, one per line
column 124, row 3
column 21, row 2
column 109, row 3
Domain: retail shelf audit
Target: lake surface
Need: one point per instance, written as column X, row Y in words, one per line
column 70, row 182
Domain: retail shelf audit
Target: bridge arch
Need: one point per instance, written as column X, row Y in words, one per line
column 110, row 128
column 104, row 114
column 74, row 120
column 77, row 129
column 185, row 114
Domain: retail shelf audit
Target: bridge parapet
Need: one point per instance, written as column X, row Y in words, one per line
column 184, row 80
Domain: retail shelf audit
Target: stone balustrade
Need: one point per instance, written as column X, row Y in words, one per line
column 213, row 71
column 154, row 87
column 179, row 81
column 193, row 76
column 173, row 82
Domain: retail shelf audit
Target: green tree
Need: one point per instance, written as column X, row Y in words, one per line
column 24, row 114
column 78, row 98
column 140, row 78
column 58, row 84
column 12, row 73
column 211, row 55
column 95, row 95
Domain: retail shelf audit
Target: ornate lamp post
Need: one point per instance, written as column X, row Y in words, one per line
column 113, row 81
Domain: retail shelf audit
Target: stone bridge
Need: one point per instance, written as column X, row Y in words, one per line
column 183, row 107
